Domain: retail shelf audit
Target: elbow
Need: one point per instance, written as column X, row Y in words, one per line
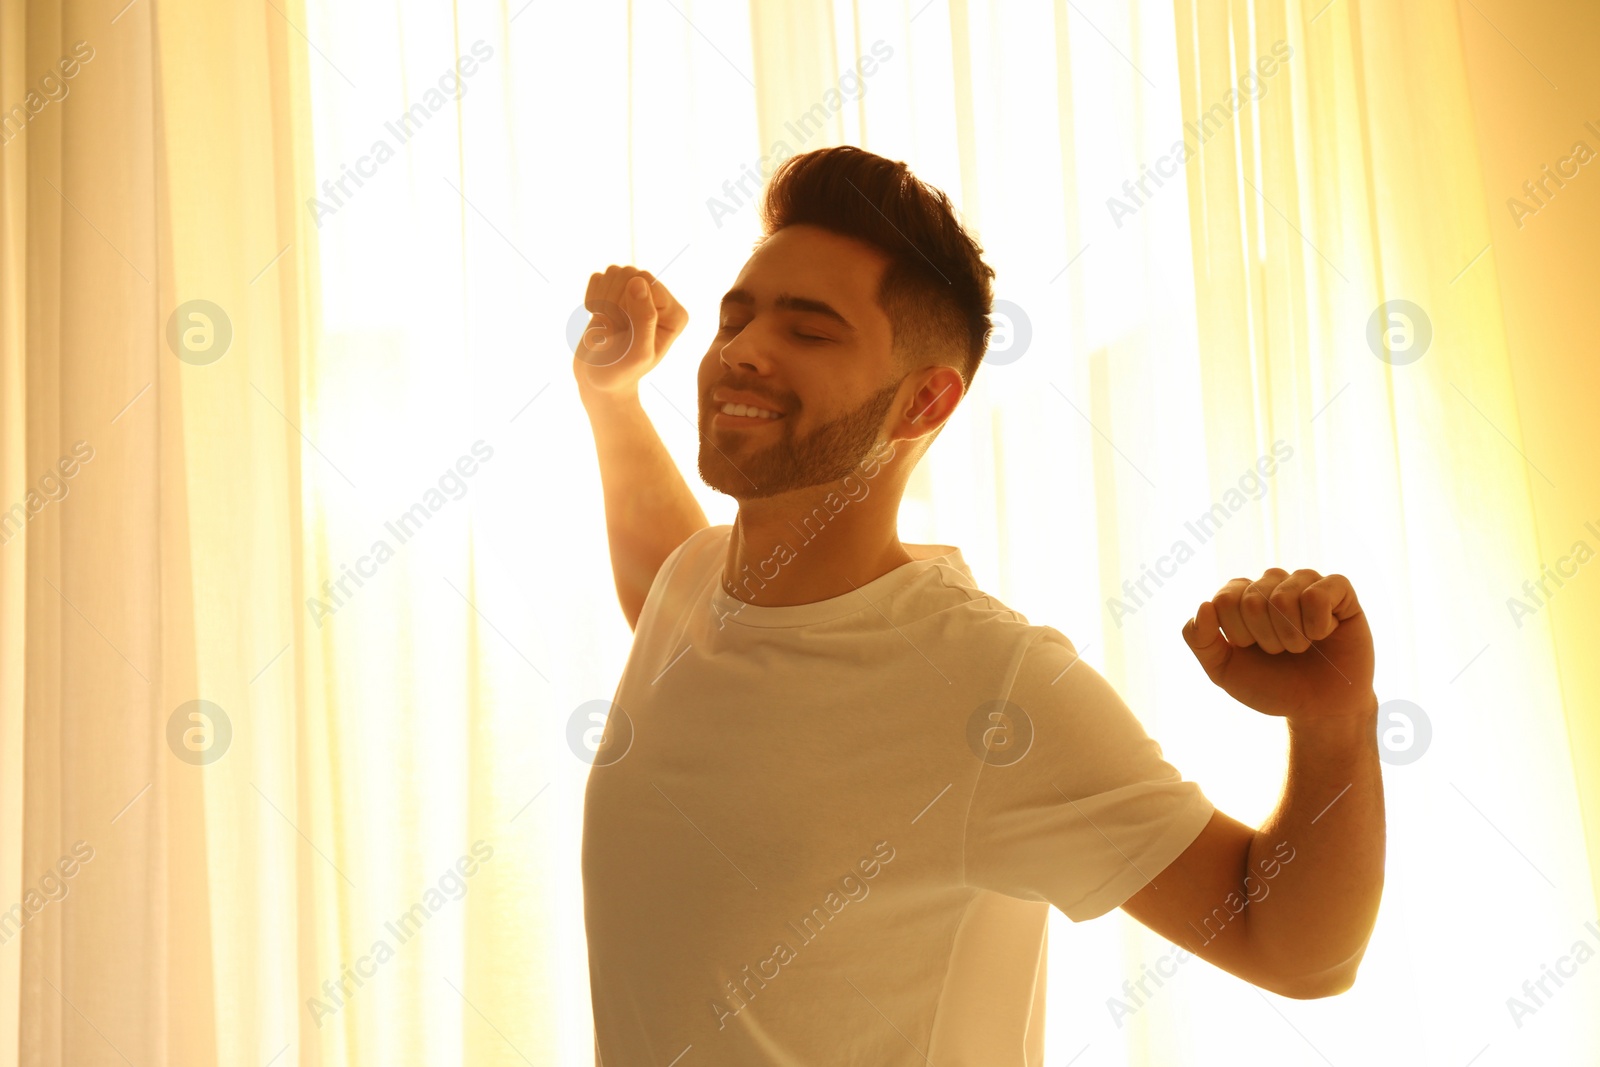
column 1296, row 982
column 1329, row 983
column 1316, row 989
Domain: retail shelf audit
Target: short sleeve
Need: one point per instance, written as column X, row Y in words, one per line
column 1075, row 805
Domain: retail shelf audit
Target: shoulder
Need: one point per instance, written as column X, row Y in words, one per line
column 1050, row 679
column 1035, row 662
column 694, row 554
column 1044, row 661
column 699, row 544
column 1045, row 649
column 694, row 557
column 1033, row 651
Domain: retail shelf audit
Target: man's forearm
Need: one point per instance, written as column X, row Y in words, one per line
column 649, row 508
column 1312, row 920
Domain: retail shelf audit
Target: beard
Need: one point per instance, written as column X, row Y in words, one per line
column 745, row 467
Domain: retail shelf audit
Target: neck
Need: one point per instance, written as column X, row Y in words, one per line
column 784, row 552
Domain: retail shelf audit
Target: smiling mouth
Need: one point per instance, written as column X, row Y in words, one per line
column 723, row 419
column 736, row 414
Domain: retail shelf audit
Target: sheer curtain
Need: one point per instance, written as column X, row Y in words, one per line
column 367, row 530
column 154, row 290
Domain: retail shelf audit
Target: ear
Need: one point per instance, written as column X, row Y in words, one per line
column 937, row 391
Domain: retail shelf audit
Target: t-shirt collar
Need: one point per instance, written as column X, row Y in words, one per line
column 729, row 608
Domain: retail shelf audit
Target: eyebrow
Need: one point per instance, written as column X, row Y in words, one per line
column 790, row 302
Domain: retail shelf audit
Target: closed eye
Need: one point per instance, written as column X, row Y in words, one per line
column 812, row 338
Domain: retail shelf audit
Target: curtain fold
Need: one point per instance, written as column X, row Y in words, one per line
column 156, row 303
column 1346, row 302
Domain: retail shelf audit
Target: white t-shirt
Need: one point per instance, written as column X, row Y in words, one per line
column 808, row 839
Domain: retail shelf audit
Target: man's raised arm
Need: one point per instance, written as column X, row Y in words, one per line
column 1306, row 886
column 649, row 508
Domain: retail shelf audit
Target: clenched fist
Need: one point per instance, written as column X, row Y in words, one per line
column 1286, row 644
column 634, row 321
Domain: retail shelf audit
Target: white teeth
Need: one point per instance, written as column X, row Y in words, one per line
column 745, row 409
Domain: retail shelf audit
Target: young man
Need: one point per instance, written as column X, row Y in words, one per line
column 840, row 786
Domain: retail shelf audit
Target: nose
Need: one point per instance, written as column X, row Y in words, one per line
column 745, row 353
column 742, row 365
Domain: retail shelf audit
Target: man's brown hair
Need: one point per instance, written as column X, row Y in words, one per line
column 936, row 289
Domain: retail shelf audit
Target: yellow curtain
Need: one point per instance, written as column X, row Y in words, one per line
column 287, row 289
column 1347, row 295
column 156, row 294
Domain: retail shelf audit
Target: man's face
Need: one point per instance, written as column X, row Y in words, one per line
column 801, row 331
